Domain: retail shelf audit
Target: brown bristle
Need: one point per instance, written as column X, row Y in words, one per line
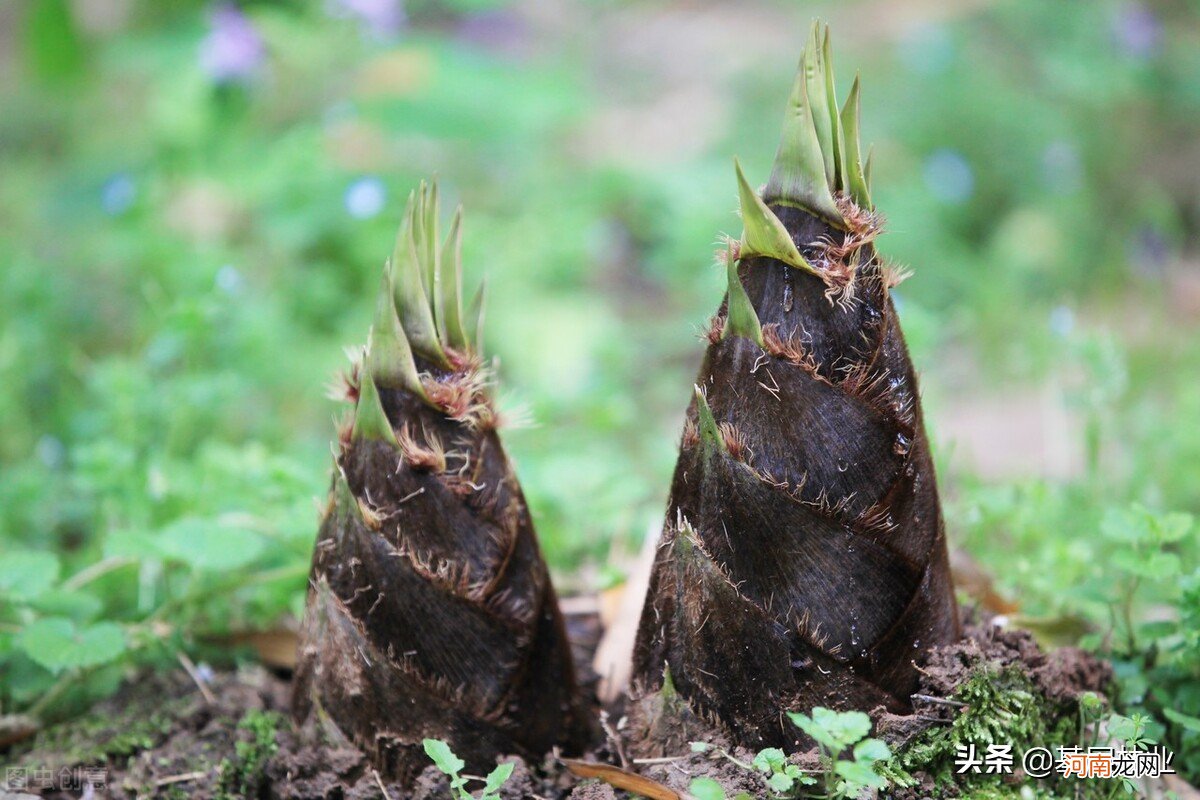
column 430, row 457
column 862, row 221
column 691, row 435
column 716, row 326
column 789, row 349
column 894, row 274
column 462, row 397
column 344, row 427
column 735, row 441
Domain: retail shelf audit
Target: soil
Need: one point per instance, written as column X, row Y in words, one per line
column 162, row 737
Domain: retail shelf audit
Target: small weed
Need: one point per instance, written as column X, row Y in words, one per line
column 841, row 734
column 445, row 760
column 243, row 775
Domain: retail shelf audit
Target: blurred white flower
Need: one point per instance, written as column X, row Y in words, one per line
column 229, row 280
column 117, row 194
column 949, row 176
column 365, row 197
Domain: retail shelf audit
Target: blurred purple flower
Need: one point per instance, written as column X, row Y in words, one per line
column 365, row 197
column 232, row 51
column 499, row 30
column 949, row 176
column 1148, row 252
column 382, row 19
column 1137, row 30
column 117, row 194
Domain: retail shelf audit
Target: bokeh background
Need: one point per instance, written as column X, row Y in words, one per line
column 196, row 199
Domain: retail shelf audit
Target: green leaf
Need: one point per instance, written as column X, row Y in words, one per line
column 1184, row 721
column 209, row 544
column 871, row 750
column 706, row 789
column 63, row 603
column 847, row 727
column 1147, row 565
column 859, row 774
column 780, row 782
column 25, row 574
column 832, row 729
column 815, row 731
column 496, row 778
column 57, row 644
column 443, row 757
column 700, row 747
column 770, row 760
column 1171, row 528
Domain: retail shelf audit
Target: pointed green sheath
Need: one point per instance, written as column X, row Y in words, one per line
column 389, row 357
column 370, row 421
column 452, row 299
column 803, row 560
column 798, row 176
column 812, row 64
column 838, row 181
column 430, row 611
column 856, row 179
column 710, row 435
column 740, row 319
column 762, row 232
column 429, row 249
column 475, row 315
column 412, row 304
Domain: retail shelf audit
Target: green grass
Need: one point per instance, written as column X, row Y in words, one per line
column 181, row 270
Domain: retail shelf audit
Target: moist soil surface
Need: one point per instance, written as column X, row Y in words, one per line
column 162, row 736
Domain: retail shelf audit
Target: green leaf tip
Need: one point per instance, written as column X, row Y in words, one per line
column 812, row 64
column 389, row 359
column 475, row 315
column 706, row 425
column 857, row 173
column 408, row 272
column 802, row 171
column 370, row 420
column 838, row 179
column 451, row 285
column 428, row 280
column 762, row 232
column 740, row 317
column 669, row 692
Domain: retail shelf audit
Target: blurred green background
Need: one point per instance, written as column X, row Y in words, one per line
column 196, row 200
